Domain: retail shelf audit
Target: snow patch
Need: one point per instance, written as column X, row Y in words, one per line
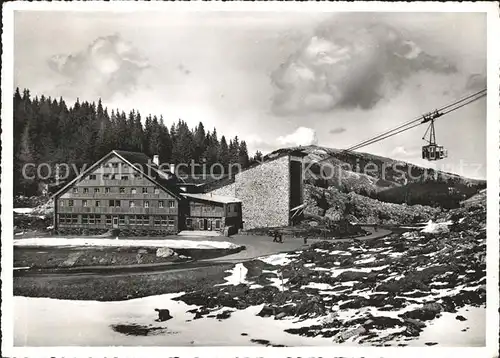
column 276, row 260
column 173, row 244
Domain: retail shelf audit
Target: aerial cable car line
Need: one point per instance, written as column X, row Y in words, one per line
column 420, row 119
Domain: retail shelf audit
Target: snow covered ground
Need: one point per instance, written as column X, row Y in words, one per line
column 173, row 244
column 51, row 322
column 23, row 210
column 433, row 227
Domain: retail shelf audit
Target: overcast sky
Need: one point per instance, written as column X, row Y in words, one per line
column 273, row 79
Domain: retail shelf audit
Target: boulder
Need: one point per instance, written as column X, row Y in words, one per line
column 343, row 336
column 164, row 252
column 266, row 311
column 163, row 314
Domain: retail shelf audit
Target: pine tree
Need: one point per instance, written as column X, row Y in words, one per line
column 224, row 153
column 243, row 155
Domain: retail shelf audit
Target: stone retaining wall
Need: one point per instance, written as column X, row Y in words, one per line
column 265, row 194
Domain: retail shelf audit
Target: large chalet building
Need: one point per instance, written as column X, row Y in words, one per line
column 130, row 192
column 127, row 191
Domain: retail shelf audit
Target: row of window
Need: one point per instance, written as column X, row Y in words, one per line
column 115, row 176
column 203, row 224
column 137, row 220
column 121, row 190
column 117, row 203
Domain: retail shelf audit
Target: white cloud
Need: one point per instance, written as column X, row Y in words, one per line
column 354, row 61
column 301, row 136
column 108, row 66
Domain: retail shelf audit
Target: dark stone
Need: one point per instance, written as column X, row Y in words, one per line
column 266, row 311
column 461, row 318
column 224, row 315
column 430, row 343
column 163, row 314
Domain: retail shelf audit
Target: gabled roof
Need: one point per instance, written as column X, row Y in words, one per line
column 138, row 161
column 213, row 198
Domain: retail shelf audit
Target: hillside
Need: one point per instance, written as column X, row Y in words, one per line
column 383, row 178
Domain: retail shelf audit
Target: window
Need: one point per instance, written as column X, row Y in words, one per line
column 97, row 203
column 70, row 203
column 98, row 219
column 144, row 190
column 189, row 223
column 75, row 190
column 122, row 190
column 157, row 220
column 117, row 203
column 92, row 219
column 92, row 177
column 115, row 165
column 121, row 220
column 164, row 221
column 157, row 191
column 131, row 204
column 105, row 176
column 217, row 224
column 171, row 222
column 61, row 203
column 108, row 220
column 84, row 203
column 85, row 219
column 138, row 176
column 146, row 204
column 111, row 203
column 85, row 190
column 160, row 204
column 96, row 190
column 133, row 191
column 124, row 177
column 171, row 204
column 131, row 220
column 113, row 176
column 124, row 165
column 107, row 190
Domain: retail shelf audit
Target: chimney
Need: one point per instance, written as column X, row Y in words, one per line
column 156, row 159
column 172, row 168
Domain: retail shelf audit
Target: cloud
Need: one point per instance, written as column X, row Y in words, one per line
column 108, row 66
column 301, row 136
column 337, row 130
column 404, row 152
column 351, row 61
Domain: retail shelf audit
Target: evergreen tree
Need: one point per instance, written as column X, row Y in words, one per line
column 243, row 155
column 224, row 153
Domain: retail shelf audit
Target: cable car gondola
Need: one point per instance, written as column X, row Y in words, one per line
column 432, row 151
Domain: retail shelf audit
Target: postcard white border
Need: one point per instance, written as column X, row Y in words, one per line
column 493, row 156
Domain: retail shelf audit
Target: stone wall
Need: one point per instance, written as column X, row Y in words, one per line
column 265, row 194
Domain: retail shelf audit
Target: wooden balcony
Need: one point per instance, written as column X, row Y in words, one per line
column 116, row 210
column 116, row 196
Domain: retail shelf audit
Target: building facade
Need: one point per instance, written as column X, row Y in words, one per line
column 118, row 193
column 213, row 213
column 268, row 191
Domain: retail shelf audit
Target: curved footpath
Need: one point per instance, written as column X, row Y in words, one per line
column 256, row 246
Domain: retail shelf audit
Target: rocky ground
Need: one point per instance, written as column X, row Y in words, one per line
column 333, row 203
column 36, row 258
column 370, row 293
